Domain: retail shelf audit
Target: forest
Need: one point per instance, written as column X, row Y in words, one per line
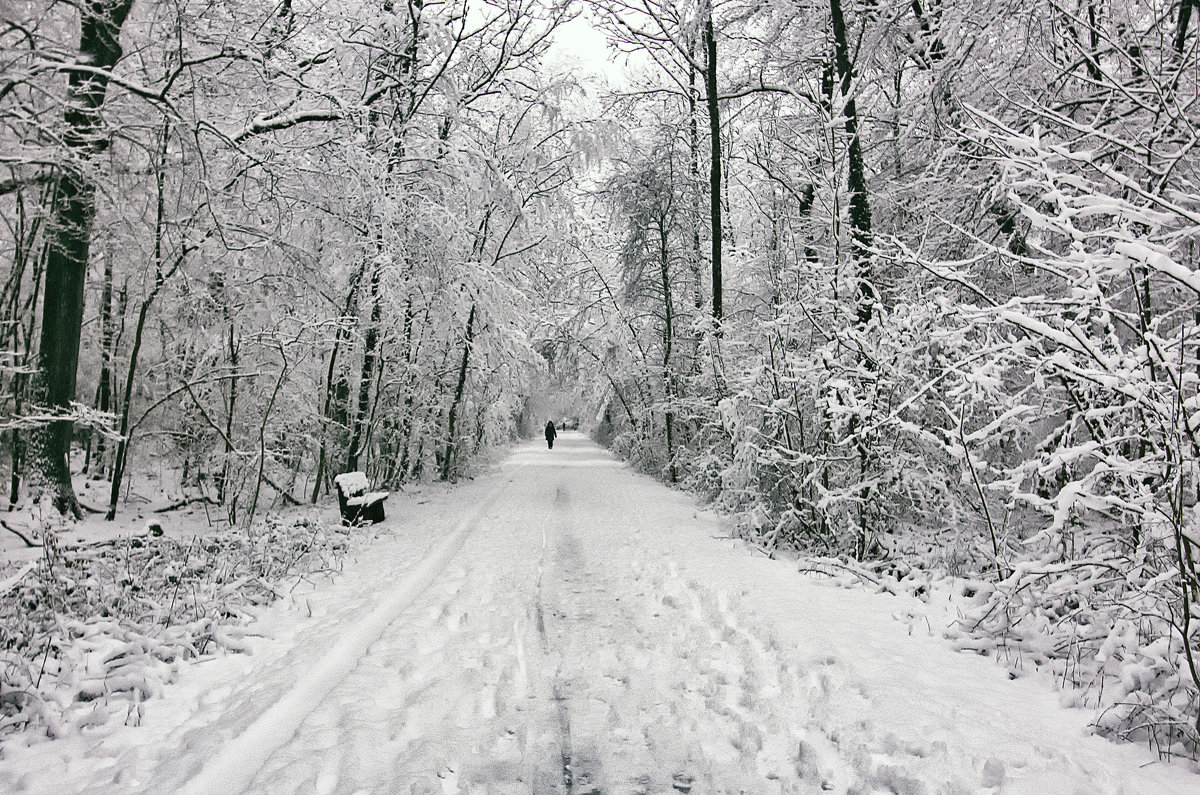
column 908, row 288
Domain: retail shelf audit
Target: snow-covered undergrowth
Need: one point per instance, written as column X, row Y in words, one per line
column 1106, row 640
column 90, row 633
column 1102, row 633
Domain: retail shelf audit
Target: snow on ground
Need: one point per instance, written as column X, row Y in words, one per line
column 156, row 497
column 566, row 625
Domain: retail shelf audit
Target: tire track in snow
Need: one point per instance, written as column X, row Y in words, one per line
column 561, row 499
column 239, row 760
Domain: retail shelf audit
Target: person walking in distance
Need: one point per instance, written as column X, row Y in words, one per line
column 550, row 434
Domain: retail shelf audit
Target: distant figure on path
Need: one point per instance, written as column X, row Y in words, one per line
column 550, row 434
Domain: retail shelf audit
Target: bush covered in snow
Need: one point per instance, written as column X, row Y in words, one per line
column 1102, row 628
column 91, row 632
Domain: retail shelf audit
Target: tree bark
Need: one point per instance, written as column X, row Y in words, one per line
column 714, row 128
column 448, row 459
column 96, row 467
column 407, row 417
column 697, row 260
column 72, row 213
column 230, row 410
column 1093, row 54
column 370, row 354
column 1185, row 16
column 861, row 240
column 23, row 323
column 860, row 206
column 668, row 339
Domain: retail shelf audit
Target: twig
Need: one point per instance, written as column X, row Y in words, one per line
column 179, row 581
column 45, row 655
column 855, row 572
column 987, row 514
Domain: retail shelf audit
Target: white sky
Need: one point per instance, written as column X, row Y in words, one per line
column 578, row 45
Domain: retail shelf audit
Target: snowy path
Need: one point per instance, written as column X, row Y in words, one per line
column 565, row 625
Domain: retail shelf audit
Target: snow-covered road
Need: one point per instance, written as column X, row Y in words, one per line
column 566, row 625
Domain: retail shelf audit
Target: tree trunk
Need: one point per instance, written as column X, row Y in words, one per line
column 448, row 459
column 1093, row 54
column 118, row 474
column 1185, row 16
column 714, row 128
column 407, row 417
column 860, row 207
column 22, row 334
column 122, row 451
column 327, row 409
column 230, row 412
column 405, row 65
column 668, row 340
column 860, row 232
column 358, row 435
column 162, row 272
column 96, row 467
column 697, row 260
column 53, row 386
column 71, row 215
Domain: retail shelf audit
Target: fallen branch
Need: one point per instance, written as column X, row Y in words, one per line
column 18, row 534
column 284, row 493
column 182, row 503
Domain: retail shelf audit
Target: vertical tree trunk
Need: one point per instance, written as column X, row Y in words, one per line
column 1185, row 16
column 23, row 322
column 714, row 128
column 860, row 232
column 860, row 206
column 406, row 106
column 53, row 385
column 122, row 452
column 358, row 435
column 1093, row 54
column 407, row 418
column 96, row 466
column 697, row 259
column 72, row 212
column 448, row 459
column 327, row 409
column 668, row 340
column 162, row 272
column 230, row 412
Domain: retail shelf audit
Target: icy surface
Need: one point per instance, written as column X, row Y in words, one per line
column 565, row 625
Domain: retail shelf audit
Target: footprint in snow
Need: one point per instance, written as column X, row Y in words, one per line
column 682, row 782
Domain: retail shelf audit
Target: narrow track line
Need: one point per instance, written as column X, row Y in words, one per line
column 234, row 767
column 556, row 696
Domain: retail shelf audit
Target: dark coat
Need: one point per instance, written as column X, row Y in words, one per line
column 550, row 432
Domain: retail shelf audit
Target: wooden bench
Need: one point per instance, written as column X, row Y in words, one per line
column 357, row 504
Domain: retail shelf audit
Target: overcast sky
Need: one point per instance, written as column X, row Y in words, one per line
column 578, row 43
